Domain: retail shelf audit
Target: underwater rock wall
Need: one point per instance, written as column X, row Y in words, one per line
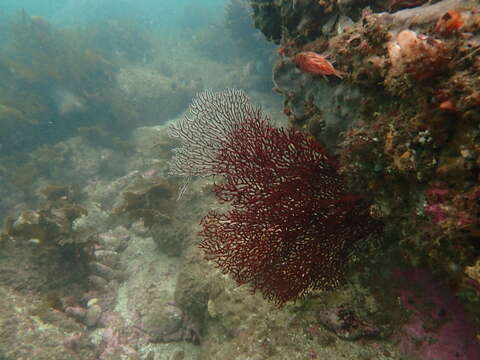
column 393, row 88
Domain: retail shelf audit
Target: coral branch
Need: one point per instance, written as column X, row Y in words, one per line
column 203, row 130
column 292, row 225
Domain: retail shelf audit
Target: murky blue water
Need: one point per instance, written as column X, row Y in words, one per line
column 84, row 10
column 58, row 56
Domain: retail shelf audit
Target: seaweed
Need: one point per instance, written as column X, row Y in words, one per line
column 152, row 201
column 53, row 81
column 128, row 40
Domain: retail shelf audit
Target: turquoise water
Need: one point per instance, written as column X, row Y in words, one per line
column 171, row 15
column 85, row 9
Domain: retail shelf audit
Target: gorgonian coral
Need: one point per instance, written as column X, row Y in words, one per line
column 292, row 225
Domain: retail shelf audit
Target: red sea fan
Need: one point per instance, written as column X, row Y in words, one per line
column 292, row 226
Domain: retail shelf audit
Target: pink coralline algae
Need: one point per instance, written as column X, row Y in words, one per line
column 449, row 209
column 438, row 214
column 438, row 327
column 435, row 197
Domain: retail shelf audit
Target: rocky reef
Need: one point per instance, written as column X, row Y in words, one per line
column 98, row 259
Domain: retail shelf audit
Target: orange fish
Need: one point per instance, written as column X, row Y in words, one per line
column 316, row 64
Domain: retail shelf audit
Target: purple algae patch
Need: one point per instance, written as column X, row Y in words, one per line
column 438, row 327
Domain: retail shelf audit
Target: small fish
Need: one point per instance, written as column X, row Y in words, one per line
column 316, row 64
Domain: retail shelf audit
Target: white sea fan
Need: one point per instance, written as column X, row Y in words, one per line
column 210, row 119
